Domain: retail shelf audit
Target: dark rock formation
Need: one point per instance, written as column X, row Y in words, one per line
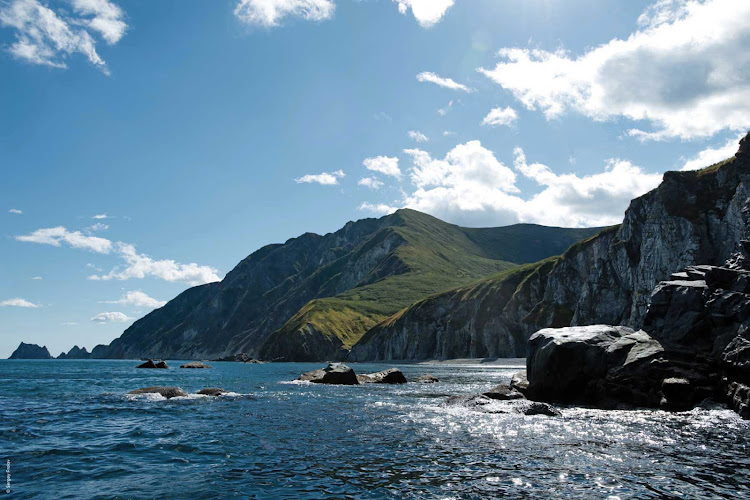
column 503, row 392
column 30, row 351
column 390, row 376
column 75, row 353
column 212, row 391
column 520, row 382
column 427, row 379
column 195, row 364
column 152, row 364
column 167, row 392
column 542, row 409
column 692, row 218
column 334, row 373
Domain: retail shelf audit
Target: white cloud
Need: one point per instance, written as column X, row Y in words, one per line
column 471, row 186
column 377, row 208
column 686, row 71
column 370, row 182
column 137, row 265
column 383, row 164
column 446, row 133
column 69, row 323
column 710, row 156
column 427, row 76
column 37, row 278
column 17, row 302
column 97, row 227
column 101, row 216
column 44, row 36
column 137, row 299
column 325, row 178
column 418, row 136
column 426, row 12
column 500, row 116
column 15, row 211
column 142, row 266
column 111, row 317
column 56, row 236
column 269, row 13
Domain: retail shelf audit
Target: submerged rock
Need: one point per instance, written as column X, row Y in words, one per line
column 212, row 391
column 334, row 373
column 427, row 379
column 195, row 364
column 167, row 392
column 503, row 392
column 151, row 364
column 390, row 376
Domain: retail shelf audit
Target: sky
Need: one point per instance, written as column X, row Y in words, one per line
column 146, row 147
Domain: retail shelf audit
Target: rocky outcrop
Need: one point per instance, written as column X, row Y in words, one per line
column 427, row 379
column 153, row 364
column 75, row 353
column 195, row 365
column 240, row 357
column 334, row 373
column 212, row 391
column 30, row 351
column 389, row 376
column 503, row 392
column 692, row 218
column 167, row 392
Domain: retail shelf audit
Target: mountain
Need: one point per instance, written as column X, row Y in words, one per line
column 314, row 296
column 695, row 217
column 75, row 353
column 30, row 351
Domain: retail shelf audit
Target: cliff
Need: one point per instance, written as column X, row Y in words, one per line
column 30, row 351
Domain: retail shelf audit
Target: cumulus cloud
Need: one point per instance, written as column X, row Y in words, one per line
column 269, row 13
column 377, row 208
column 427, row 76
column 56, row 236
column 111, row 317
column 15, row 211
column 141, row 266
column 17, row 302
column 471, row 186
column 137, row 299
column 325, row 178
column 426, row 12
column 383, row 164
column 418, row 136
column 45, row 36
column 370, row 182
column 500, row 116
column 136, row 265
column 685, row 70
column 101, row 216
column 710, row 156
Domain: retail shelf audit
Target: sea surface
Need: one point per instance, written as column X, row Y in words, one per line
column 70, row 430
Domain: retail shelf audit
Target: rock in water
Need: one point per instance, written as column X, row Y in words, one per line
column 427, row 379
column 542, row 409
column 195, row 364
column 212, row 391
column 167, row 392
column 572, row 364
column 519, row 382
column 151, row 364
column 503, row 392
column 679, row 394
column 239, row 357
column 390, row 376
column 334, row 373
column 30, row 351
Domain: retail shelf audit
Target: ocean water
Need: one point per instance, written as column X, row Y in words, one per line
column 70, row 431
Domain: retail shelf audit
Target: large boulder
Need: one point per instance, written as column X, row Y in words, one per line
column 503, row 392
column 153, row 364
column 427, row 379
column 389, row 376
column 212, row 391
column 195, row 365
column 334, row 373
column 167, row 392
column 583, row 364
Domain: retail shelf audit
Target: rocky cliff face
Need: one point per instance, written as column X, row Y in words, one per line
column 30, row 351
column 75, row 353
column 692, row 218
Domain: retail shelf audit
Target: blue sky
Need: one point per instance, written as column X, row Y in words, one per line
column 199, row 131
